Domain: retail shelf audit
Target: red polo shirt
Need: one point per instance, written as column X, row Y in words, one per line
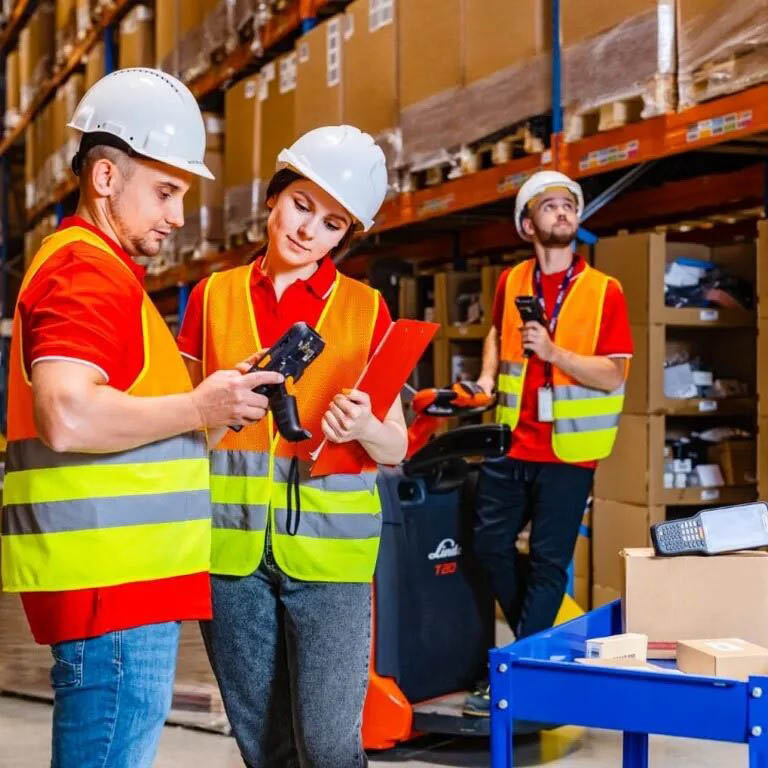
column 532, row 439
column 82, row 305
column 302, row 300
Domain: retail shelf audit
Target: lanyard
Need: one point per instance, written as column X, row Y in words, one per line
column 552, row 325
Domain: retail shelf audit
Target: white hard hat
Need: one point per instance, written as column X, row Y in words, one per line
column 153, row 114
column 538, row 183
column 346, row 163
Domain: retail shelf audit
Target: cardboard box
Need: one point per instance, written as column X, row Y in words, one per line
column 319, row 87
column 617, row 526
column 582, row 19
column 676, row 598
column 277, row 93
column 137, row 38
column 737, row 460
column 500, row 34
column 167, row 36
column 629, row 645
column 193, row 59
column 242, row 154
column 66, row 26
column 638, row 262
column 725, row 657
column 12, row 91
column 94, row 64
column 603, row 595
column 370, row 66
column 83, row 17
column 762, row 268
column 762, row 363
column 762, row 457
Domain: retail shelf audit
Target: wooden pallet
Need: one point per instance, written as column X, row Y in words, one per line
column 739, row 70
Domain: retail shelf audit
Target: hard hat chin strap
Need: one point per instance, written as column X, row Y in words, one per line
column 96, row 139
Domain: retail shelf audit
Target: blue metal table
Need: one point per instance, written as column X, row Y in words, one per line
column 537, row 680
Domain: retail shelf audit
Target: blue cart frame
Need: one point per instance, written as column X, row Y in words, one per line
column 536, row 680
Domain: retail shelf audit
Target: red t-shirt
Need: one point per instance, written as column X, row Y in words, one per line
column 532, row 439
column 302, row 300
column 83, row 305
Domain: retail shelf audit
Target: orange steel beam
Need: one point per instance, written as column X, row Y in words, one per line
column 12, row 27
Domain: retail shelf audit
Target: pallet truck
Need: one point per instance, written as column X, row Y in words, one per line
column 433, row 617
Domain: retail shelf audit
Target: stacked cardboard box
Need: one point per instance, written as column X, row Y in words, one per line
column 12, row 91
column 84, row 10
column 260, row 113
column 203, row 230
column 136, row 41
column 66, row 28
column 36, row 49
column 95, row 64
column 762, row 359
column 722, row 47
column 193, row 59
column 628, row 502
column 167, row 36
column 619, row 62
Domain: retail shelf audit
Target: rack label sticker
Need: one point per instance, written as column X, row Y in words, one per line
column 431, row 207
column 710, row 495
column 618, row 153
column 709, row 315
column 717, row 126
column 707, row 406
column 513, row 183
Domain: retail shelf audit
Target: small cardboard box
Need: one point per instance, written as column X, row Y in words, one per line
column 737, row 460
column 724, row 657
column 137, row 38
column 674, row 598
column 630, row 645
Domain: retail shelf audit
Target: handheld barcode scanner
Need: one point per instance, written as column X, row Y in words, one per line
column 530, row 311
column 714, row 531
column 291, row 356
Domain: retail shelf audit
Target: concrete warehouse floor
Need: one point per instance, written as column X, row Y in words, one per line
column 25, row 735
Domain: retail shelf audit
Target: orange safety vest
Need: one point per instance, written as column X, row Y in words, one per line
column 586, row 420
column 335, row 536
column 84, row 520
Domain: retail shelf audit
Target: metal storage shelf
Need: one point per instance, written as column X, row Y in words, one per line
column 536, row 680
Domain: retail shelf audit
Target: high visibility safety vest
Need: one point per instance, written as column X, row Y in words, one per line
column 328, row 529
column 84, row 520
column 586, row 420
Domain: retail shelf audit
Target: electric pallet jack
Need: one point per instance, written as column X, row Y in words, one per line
column 434, row 617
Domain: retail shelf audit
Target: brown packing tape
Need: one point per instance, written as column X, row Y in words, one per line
column 636, row 58
column 720, row 47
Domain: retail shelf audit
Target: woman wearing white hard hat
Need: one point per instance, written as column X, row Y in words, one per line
column 293, row 556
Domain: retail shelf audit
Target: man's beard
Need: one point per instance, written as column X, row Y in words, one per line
column 134, row 245
column 553, row 238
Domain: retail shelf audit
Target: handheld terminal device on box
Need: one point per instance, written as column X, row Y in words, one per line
column 291, row 356
column 530, row 311
column 714, row 531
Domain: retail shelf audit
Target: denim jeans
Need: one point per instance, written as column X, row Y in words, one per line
column 552, row 497
column 112, row 694
column 291, row 658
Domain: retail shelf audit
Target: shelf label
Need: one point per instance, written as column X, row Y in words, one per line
column 717, row 126
column 513, row 182
column 707, row 406
column 709, row 315
column 711, row 494
column 609, row 155
column 432, row 207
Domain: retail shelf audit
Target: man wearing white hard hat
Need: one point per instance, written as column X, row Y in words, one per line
column 293, row 555
column 560, row 383
column 106, row 521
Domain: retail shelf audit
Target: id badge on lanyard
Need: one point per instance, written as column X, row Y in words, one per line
column 545, row 394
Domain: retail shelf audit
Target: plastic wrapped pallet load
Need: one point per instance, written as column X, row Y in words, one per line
column 619, row 62
column 722, row 47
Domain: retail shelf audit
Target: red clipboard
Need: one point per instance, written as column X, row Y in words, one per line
column 383, row 378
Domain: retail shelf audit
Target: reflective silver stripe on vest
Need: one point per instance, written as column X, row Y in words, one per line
column 364, row 481
column 111, row 512
column 507, row 399
column 511, row 369
column 587, row 423
column 240, row 517
column 34, row 454
column 575, row 392
column 240, row 463
column 329, row 526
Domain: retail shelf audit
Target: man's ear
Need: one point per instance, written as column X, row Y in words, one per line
column 105, row 177
column 527, row 226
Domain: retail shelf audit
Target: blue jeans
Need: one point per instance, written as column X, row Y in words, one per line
column 291, row 658
column 112, row 694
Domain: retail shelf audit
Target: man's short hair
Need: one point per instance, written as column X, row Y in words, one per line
column 103, row 152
